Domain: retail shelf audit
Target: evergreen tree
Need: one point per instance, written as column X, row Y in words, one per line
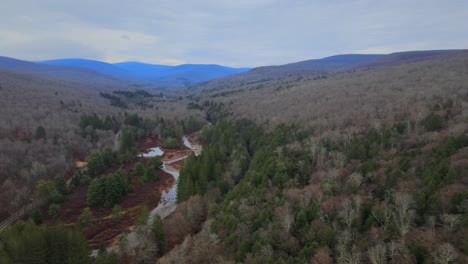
column 37, row 217
column 109, row 157
column 54, row 211
column 149, row 175
column 78, row 251
column 95, row 194
column 40, row 133
column 48, row 190
column 95, row 165
column 192, row 125
column 158, row 234
column 117, row 212
column 61, row 185
column 86, row 217
column 57, row 243
column 25, row 242
column 139, row 169
column 155, row 163
column 36, row 245
column 127, row 143
column 112, row 190
column 142, row 216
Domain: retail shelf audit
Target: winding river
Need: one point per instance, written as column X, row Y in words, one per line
column 168, row 201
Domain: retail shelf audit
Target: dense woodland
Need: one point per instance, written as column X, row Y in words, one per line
column 48, row 124
column 351, row 167
column 285, row 199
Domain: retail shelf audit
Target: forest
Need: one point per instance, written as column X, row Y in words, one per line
column 366, row 202
column 364, row 166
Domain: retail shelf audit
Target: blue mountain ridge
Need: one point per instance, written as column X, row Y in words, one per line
column 184, row 74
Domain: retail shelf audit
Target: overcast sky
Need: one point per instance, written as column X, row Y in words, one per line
column 235, row 33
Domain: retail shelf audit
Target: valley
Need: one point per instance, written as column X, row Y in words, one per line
column 345, row 159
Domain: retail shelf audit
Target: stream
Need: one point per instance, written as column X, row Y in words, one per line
column 168, row 201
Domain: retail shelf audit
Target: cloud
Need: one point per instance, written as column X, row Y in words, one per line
column 235, row 33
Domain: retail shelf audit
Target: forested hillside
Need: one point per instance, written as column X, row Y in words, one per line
column 362, row 165
column 367, row 166
column 347, row 100
column 371, row 196
column 48, row 124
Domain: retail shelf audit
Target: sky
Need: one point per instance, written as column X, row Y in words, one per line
column 242, row 33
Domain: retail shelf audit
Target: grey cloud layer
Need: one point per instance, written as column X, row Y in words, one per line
column 237, row 33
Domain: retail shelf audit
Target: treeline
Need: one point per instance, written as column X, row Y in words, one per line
column 25, row 242
column 95, row 122
column 122, row 99
column 135, row 94
column 168, row 130
column 114, row 100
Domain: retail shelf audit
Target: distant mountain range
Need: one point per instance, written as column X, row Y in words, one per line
column 92, row 71
column 208, row 76
column 165, row 75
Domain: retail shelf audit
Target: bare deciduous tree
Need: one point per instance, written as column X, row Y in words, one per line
column 350, row 210
column 445, row 254
column 404, row 214
column 378, row 254
column 450, row 221
column 285, row 217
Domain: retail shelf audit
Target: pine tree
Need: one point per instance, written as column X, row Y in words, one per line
column 61, row 185
column 57, row 243
column 112, row 191
column 95, row 193
column 155, row 163
column 40, row 133
column 54, row 211
column 139, row 169
column 37, row 217
column 35, row 245
column 78, row 251
column 108, row 157
column 148, row 175
column 158, row 234
column 127, row 144
column 116, row 212
column 95, row 165
column 86, row 217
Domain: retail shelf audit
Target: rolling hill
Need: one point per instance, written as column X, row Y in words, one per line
column 60, row 72
column 163, row 75
column 387, row 88
column 98, row 66
column 316, row 69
